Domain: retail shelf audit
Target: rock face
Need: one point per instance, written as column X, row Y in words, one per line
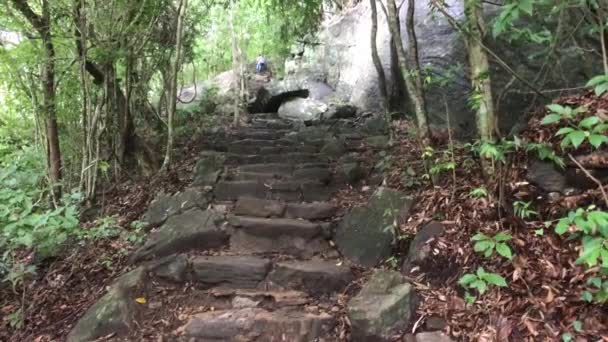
column 419, row 249
column 165, row 206
column 385, row 303
column 366, row 234
column 114, row 313
column 193, row 229
column 208, row 168
column 342, row 57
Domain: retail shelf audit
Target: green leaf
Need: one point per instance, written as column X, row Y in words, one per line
column 480, row 237
column 591, row 251
column 480, row 285
column 577, row 325
column 495, row 279
column 526, row 6
column 539, row 232
column 588, row 122
column 467, row 279
column 551, row 118
column 564, row 130
column 502, row 237
column 562, row 226
column 601, row 88
column 555, row 108
column 577, row 138
column 587, row 296
column 484, row 245
column 597, row 140
column 504, row 250
column 596, row 80
column 567, row 337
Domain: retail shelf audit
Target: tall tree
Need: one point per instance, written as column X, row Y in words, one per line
column 42, row 24
column 410, row 72
column 479, row 70
column 179, row 33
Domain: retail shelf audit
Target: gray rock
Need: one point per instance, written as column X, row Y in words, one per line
column 385, row 303
column 300, row 109
column 334, row 148
column 115, row 313
column 366, row 234
column 250, row 206
column 172, row 268
column 546, row 176
column 378, row 142
column 165, row 206
column 230, row 271
column 435, row 323
column 419, row 249
column 255, row 324
column 435, row 336
column 340, row 111
column 208, row 168
column 315, row 277
column 194, row 229
column 350, row 173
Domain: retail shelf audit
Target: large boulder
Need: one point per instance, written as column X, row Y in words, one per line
column 299, row 109
column 341, row 55
column 366, row 234
column 194, row 229
column 208, row 168
column 384, row 304
column 165, row 206
column 115, row 312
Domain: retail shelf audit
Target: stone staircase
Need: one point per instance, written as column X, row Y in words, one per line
column 255, row 229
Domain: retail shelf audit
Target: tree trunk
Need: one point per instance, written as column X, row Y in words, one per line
column 235, row 66
column 417, row 99
column 480, row 71
column 179, row 32
column 42, row 24
column 376, row 58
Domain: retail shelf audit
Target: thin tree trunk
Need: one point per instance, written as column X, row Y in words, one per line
column 480, row 71
column 42, row 24
column 235, row 66
column 419, row 105
column 376, row 57
column 414, row 62
column 179, row 32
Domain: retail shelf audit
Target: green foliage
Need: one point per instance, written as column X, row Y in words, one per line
column 510, row 13
column 486, row 245
column 479, row 192
column 590, row 128
column 591, row 226
column 599, row 84
column 522, row 209
column 481, row 280
column 597, row 291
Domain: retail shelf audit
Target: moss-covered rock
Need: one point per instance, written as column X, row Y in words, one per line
column 366, row 234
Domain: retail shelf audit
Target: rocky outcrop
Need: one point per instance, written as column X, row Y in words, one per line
column 385, row 303
column 341, row 56
column 366, row 234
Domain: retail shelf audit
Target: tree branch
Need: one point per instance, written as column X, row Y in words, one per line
column 590, row 176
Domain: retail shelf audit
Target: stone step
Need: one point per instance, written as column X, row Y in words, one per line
column 248, row 206
column 291, row 191
column 268, row 150
column 242, row 272
column 270, row 124
column 289, row 157
column 315, row 277
column 274, row 227
column 261, row 134
column 256, row 324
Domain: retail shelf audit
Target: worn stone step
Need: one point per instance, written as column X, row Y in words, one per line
column 285, row 190
column 261, row 134
column 268, row 168
column 272, row 227
column 288, row 157
column 272, row 149
column 259, row 176
column 249, row 206
column 244, row 272
column 316, row 277
column 270, row 124
column 256, row 324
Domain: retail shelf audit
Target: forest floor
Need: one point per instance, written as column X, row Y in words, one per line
column 541, row 302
